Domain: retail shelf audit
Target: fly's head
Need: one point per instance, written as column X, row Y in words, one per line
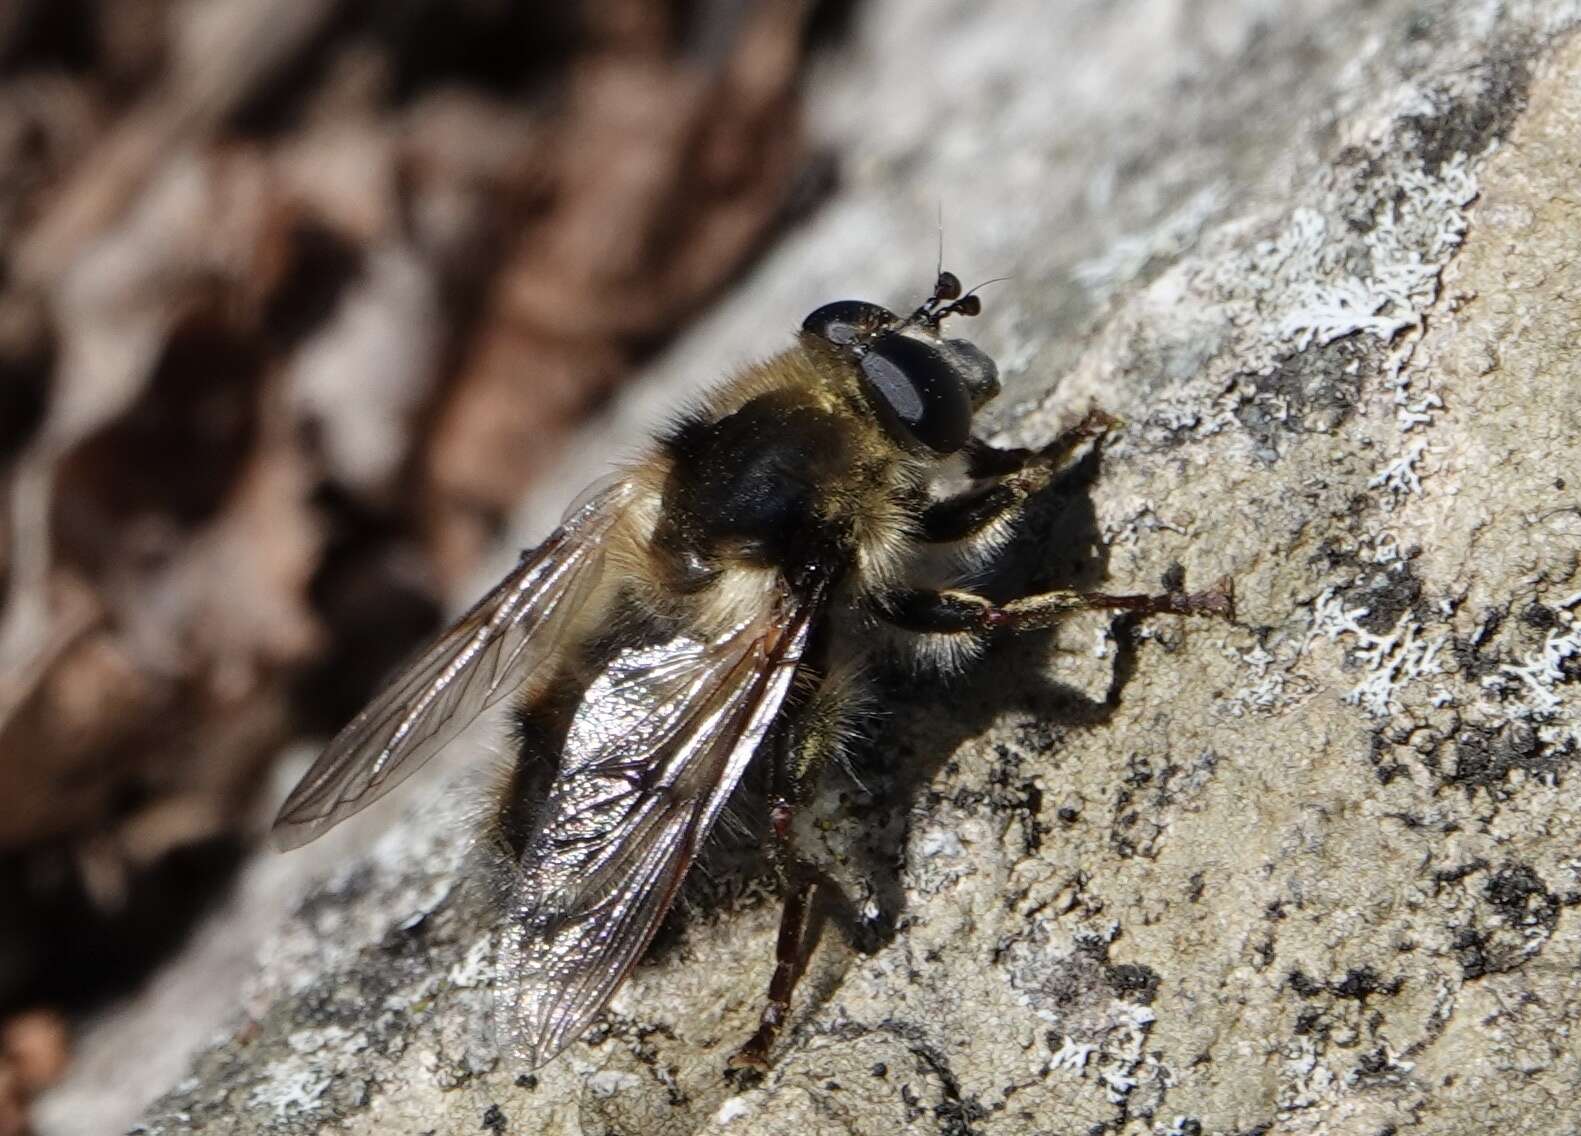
column 923, row 387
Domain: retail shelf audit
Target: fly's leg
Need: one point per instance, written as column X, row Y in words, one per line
column 789, row 956
column 984, row 460
column 1016, row 474
column 958, row 612
column 814, row 737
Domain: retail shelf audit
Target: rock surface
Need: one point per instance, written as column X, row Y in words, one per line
column 1312, row 872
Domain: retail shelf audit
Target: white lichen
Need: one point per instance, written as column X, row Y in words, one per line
column 1101, row 638
column 290, row 1088
column 941, row 855
column 1360, row 258
column 1414, row 400
column 1414, row 229
column 733, row 1108
column 1122, row 1057
column 1328, row 311
column 1273, row 685
column 476, row 967
column 607, row 1082
column 1073, row 1055
column 334, row 1038
column 1389, row 662
column 1308, row 1082
column 1530, row 689
column 1399, row 479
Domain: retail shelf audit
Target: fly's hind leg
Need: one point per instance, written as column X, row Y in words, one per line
column 790, row 959
column 813, row 737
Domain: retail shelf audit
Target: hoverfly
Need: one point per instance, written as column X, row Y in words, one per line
column 706, row 608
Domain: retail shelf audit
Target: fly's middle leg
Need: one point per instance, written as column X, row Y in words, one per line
column 958, row 612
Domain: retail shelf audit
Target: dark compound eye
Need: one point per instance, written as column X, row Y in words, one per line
column 844, row 322
column 919, row 394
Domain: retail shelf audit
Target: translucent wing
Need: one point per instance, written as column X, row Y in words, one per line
column 658, row 743
column 483, row 657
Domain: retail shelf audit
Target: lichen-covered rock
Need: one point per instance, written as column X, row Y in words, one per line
column 1311, row 872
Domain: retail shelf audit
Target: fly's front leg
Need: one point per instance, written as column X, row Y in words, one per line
column 985, row 460
column 1017, row 474
column 958, row 612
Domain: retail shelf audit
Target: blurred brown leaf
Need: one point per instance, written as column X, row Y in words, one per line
column 295, row 299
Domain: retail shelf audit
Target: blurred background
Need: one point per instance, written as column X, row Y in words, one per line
column 297, row 298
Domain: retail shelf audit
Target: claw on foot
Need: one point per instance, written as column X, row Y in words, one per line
column 1218, row 600
column 752, row 1057
column 1096, row 424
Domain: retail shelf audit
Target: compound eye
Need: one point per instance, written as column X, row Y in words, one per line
column 918, row 393
column 845, row 322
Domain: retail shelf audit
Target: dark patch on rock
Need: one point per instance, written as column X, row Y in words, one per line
column 1330, row 558
column 1470, row 124
column 1359, row 984
column 958, row 1112
column 1521, row 913
column 1471, row 652
column 1310, row 392
column 1388, row 595
column 1372, row 1064
column 1010, row 794
column 1471, row 951
column 1304, row 985
column 1381, row 754
column 1521, row 898
column 1486, row 756
column 1446, row 876
column 1133, row 982
column 1539, row 616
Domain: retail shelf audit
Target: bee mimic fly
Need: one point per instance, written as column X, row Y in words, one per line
column 709, row 607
